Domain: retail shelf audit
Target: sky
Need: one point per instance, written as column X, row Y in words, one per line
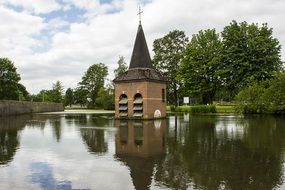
column 51, row 40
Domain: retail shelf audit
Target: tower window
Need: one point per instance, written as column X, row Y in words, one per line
column 163, row 95
column 123, row 106
column 138, row 105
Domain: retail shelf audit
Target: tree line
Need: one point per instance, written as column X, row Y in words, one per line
column 217, row 66
column 210, row 66
column 92, row 91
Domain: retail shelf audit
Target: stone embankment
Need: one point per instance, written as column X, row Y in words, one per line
column 8, row 107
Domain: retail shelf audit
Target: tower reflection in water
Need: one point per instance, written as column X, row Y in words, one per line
column 140, row 145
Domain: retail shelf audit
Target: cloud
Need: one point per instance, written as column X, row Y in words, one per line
column 16, row 33
column 45, row 50
column 34, row 6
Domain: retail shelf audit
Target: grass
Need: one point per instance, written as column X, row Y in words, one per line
column 226, row 109
column 202, row 109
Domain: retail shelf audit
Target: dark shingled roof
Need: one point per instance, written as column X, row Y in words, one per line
column 140, row 57
column 140, row 74
column 140, row 66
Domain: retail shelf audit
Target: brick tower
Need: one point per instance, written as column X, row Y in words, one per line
column 140, row 92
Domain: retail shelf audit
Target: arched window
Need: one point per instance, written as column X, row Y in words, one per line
column 123, row 106
column 138, row 105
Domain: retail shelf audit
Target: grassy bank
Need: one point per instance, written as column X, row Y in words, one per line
column 203, row 109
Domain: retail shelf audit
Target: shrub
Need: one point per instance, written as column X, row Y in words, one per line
column 172, row 108
column 197, row 109
column 265, row 97
column 203, row 109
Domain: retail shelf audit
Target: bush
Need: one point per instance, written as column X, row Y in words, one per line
column 251, row 99
column 172, row 108
column 203, row 109
column 265, row 97
column 197, row 109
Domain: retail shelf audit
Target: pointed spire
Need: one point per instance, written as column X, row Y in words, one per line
column 140, row 57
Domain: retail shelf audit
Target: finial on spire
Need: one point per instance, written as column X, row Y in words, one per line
column 140, row 14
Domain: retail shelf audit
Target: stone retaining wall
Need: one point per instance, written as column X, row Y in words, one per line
column 8, row 107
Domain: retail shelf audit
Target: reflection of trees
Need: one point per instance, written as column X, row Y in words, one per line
column 95, row 140
column 139, row 144
column 77, row 119
column 211, row 160
column 56, row 124
column 172, row 171
column 83, row 120
column 93, row 133
column 9, row 136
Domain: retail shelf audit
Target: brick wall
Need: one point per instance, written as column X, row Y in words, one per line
column 151, row 93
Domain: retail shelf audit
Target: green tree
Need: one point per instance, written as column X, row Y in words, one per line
column 9, row 80
column 53, row 95
column 274, row 96
column 106, row 99
column 264, row 97
column 251, row 98
column 249, row 53
column 93, row 80
column 23, row 93
column 200, row 68
column 69, row 99
column 122, row 67
column 56, row 93
column 80, row 96
column 167, row 59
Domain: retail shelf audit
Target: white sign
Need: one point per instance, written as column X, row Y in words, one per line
column 186, row 100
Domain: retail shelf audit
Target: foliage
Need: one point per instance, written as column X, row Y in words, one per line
column 69, row 99
column 122, row 67
column 172, row 108
column 274, row 96
column 92, row 81
column 80, row 96
column 9, row 80
column 249, row 53
column 23, row 93
column 204, row 109
column 264, row 97
column 200, row 68
column 56, row 93
column 53, row 95
column 167, row 59
column 251, row 98
column 196, row 109
column 106, row 99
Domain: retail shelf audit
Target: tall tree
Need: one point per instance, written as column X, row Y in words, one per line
column 106, row 99
column 56, row 94
column 69, row 99
column 167, row 59
column 23, row 93
column 93, row 80
column 9, row 80
column 122, row 67
column 249, row 53
column 200, row 68
column 80, row 96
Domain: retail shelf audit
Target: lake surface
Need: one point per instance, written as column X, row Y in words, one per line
column 93, row 151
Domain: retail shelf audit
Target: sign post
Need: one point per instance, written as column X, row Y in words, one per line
column 186, row 100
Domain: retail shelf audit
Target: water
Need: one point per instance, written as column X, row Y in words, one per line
column 85, row 151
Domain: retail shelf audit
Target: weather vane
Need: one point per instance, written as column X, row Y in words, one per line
column 140, row 13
